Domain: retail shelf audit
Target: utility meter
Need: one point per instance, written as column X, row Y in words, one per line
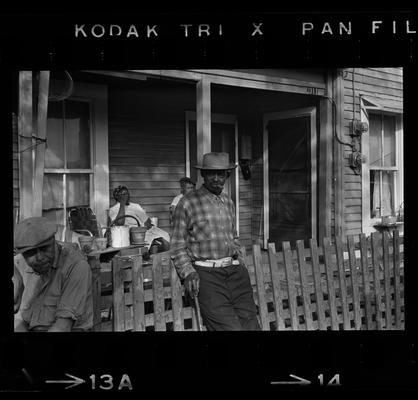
column 359, row 127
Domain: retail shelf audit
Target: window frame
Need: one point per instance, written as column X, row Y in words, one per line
column 67, row 171
column 368, row 222
column 96, row 96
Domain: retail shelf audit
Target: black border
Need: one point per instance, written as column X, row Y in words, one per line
column 209, row 362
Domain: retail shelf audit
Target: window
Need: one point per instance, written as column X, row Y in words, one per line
column 382, row 165
column 383, row 171
column 68, row 159
column 77, row 154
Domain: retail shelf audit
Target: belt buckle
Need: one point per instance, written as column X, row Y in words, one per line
column 226, row 262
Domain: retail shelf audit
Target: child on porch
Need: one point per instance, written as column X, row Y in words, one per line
column 186, row 186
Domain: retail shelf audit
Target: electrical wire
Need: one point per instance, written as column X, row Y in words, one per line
column 334, row 118
column 354, row 92
column 38, row 142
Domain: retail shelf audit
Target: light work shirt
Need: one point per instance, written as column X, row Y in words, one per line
column 133, row 209
column 65, row 291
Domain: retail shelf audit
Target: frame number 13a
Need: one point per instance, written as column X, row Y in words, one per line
column 106, row 382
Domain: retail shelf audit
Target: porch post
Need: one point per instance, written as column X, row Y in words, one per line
column 203, row 121
column 25, row 130
column 325, row 163
column 40, row 148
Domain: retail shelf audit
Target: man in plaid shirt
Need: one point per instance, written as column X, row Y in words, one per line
column 206, row 251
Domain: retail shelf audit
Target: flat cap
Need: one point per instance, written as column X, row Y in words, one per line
column 33, row 232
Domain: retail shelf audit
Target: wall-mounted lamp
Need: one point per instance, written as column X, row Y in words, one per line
column 245, row 156
column 245, row 168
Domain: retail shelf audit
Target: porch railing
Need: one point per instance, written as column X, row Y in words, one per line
column 357, row 284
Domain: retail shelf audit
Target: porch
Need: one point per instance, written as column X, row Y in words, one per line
column 147, row 129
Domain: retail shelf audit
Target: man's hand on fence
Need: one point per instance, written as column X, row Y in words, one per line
column 191, row 283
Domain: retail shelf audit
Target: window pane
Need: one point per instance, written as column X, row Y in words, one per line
column 54, row 153
column 387, row 193
column 381, row 193
column 78, row 190
column 389, row 144
column 375, row 140
column 52, row 196
column 77, row 134
column 56, row 216
column 289, row 163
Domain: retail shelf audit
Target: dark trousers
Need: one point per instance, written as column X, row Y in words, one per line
column 226, row 299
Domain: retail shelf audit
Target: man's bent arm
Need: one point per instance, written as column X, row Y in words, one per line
column 180, row 256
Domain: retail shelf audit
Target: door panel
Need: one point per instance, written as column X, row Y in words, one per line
column 288, row 163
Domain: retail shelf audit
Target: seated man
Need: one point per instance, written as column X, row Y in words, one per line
column 123, row 206
column 18, row 287
column 186, row 186
column 57, row 294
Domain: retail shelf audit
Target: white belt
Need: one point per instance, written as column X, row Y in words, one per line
column 221, row 262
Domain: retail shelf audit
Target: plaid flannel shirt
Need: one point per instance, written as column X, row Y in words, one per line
column 204, row 229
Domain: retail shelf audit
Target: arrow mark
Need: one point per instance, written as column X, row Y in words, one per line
column 75, row 382
column 300, row 381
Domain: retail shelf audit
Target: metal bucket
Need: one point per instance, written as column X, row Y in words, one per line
column 119, row 236
column 138, row 234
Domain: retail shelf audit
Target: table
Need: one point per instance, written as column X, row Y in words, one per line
column 125, row 251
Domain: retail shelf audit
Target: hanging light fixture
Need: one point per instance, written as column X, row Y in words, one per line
column 63, row 93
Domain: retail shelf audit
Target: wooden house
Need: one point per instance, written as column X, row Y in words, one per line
column 319, row 152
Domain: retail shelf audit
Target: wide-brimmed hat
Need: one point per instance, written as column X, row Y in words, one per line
column 33, row 232
column 216, row 161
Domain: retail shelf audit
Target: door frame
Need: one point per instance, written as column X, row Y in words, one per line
column 294, row 113
column 223, row 119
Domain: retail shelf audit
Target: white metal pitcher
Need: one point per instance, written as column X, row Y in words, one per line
column 119, row 234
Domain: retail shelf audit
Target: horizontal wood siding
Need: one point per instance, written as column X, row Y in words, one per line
column 149, row 160
column 147, row 144
column 385, row 87
column 245, row 210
